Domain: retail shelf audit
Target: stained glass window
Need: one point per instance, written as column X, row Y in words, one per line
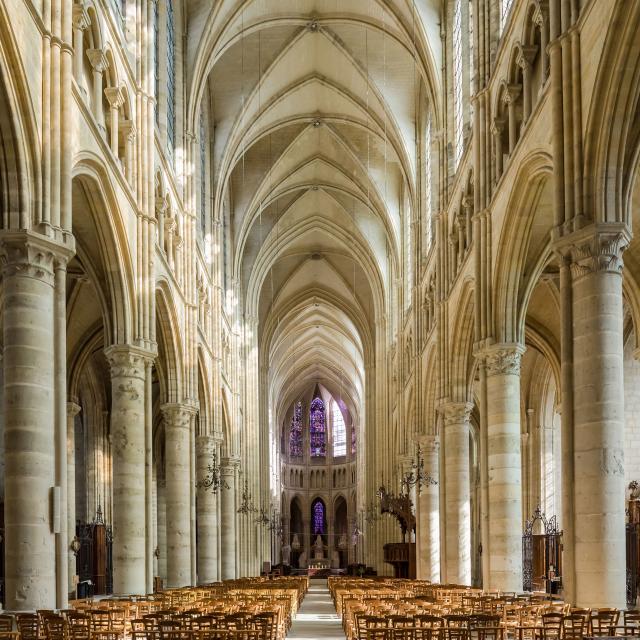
column 318, row 429
column 339, row 431
column 171, row 77
column 295, row 432
column 457, row 82
column 353, row 439
column 318, row 517
column 504, row 13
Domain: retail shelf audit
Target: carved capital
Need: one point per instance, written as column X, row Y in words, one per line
column 32, row 255
column 177, row 416
column 80, row 17
column 127, row 361
column 98, row 60
column 455, row 412
column 503, row 359
column 128, row 130
column 526, row 55
column 430, row 444
column 497, row 126
column 115, row 97
column 511, row 93
column 73, row 409
column 602, row 252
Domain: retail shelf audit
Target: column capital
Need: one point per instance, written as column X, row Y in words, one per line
column 80, row 17
column 73, row 409
column 497, row 126
column 455, row 412
column 128, row 130
column 429, row 443
column 33, row 255
column 177, row 414
column 597, row 247
column 114, row 96
column 503, row 359
column 510, row 93
column 99, row 62
column 127, row 361
column 526, row 55
column 229, row 464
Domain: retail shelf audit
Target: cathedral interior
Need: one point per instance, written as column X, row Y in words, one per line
column 319, row 297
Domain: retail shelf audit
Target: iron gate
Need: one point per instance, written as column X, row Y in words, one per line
column 552, row 547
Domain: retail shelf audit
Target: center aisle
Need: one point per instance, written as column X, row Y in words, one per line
column 317, row 617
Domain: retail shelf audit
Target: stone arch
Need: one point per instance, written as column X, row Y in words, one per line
column 612, row 141
column 523, row 245
column 101, row 239
column 170, row 360
column 20, row 206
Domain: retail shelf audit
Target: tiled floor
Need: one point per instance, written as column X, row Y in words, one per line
column 317, row 618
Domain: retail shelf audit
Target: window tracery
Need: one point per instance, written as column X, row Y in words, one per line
column 318, row 428
column 295, row 432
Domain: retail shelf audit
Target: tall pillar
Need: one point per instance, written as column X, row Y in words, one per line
column 28, row 263
column 81, row 22
column 177, row 419
column 128, row 456
column 228, row 519
column 504, row 460
column 162, row 528
column 207, row 517
column 457, row 491
column 73, row 410
column 99, row 64
column 429, row 513
column 598, row 426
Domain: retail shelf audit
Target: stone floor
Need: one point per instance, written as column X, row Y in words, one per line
column 317, row 617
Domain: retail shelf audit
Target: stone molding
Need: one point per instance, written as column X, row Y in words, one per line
column 503, row 359
column 429, row 443
column 32, row 255
column 456, row 412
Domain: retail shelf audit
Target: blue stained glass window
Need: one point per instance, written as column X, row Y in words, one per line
column 318, row 429
column 318, row 518
column 295, row 432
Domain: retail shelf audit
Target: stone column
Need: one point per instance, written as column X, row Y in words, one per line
column 207, row 517
column 162, row 528
column 177, row 419
column 73, row 410
column 28, row 263
column 115, row 99
column 504, row 460
column 496, row 129
column 512, row 92
column 128, row 455
column 457, row 491
column 100, row 64
column 81, row 21
column 598, row 483
column 429, row 513
column 228, row 520
column 524, row 60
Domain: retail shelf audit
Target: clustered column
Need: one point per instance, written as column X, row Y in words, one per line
column 504, row 461
column 458, row 495
column 128, row 451
column 73, row 410
column 177, row 420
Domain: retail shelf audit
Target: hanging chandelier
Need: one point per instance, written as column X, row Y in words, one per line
column 417, row 475
column 213, row 480
column 246, row 501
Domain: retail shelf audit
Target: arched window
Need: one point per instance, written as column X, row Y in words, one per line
column 318, row 428
column 458, row 117
column 156, row 57
column 428, row 210
column 203, row 174
column 295, row 432
column 339, row 431
column 171, row 77
column 505, row 8
column 317, row 511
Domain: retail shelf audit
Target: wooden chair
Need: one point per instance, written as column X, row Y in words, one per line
column 6, row 622
column 574, row 626
column 28, row 625
column 551, row 625
column 604, row 621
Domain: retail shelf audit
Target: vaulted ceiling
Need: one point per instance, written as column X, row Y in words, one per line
column 314, row 104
